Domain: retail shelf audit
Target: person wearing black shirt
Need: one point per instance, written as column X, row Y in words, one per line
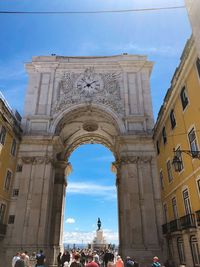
column 40, row 257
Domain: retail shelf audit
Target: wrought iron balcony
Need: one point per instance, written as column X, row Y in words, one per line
column 2, row 229
column 174, row 225
column 188, row 221
column 198, row 217
column 185, row 222
column 165, row 228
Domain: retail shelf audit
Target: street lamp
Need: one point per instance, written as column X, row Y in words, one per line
column 177, row 161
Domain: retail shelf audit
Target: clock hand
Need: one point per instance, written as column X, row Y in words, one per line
column 87, row 85
column 93, row 82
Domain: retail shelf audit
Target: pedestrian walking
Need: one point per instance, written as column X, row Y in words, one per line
column 76, row 262
column 96, row 258
column 33, row 260
column 15, row 258
column 20, row 262
column 40, row 257
column 26, row 260
column 65, row 257
column 59, row 262
column 119, row 262
column 91, row 262
column 156, row 262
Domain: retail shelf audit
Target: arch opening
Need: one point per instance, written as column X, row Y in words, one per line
column 90, row 188
column 87, row 126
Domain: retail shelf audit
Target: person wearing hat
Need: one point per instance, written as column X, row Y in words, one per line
column 156, row 262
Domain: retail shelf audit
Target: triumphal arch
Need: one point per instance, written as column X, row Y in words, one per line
column 72, row 101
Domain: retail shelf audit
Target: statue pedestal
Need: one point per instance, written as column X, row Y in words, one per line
column 99, row 241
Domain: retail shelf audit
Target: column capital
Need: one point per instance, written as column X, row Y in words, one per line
column 145, row 159
column 123, row 160
column 37, row 160
column 132, row 159
column 61, row 164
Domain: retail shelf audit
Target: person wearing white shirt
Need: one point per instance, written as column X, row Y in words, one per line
column 15, row 258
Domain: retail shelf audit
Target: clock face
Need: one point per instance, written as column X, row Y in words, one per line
column 89, row 83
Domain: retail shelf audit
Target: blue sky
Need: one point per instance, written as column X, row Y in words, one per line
column 159, row 35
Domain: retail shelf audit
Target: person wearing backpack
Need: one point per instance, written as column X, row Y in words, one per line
column 156, row 262
column 40, row 257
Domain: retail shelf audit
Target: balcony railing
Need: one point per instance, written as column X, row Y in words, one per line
column 174, row 225
column 187, row 221
column 3, row 229
column 165, row 228
column 198, row 217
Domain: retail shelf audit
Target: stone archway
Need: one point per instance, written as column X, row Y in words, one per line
column 72, row 101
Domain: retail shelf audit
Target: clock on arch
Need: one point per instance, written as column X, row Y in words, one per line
column 89, row 82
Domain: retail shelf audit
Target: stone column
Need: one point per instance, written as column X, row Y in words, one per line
column 139, row 235
column 57, row 215
column 30, row 230
column 131, row 236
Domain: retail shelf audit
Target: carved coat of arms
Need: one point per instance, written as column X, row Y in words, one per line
column 89, row 87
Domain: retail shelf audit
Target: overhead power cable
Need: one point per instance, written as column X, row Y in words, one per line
column 90, row 12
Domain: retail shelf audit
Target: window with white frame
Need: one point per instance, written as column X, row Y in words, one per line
column 186, row 200
column 193, row 141
column 11, row 219
column 181, row 251
column 164, row 135
column 169, row 171
column 184, row 98
column 198, row 185
column 158, row 147
column 179, row 156
column 172, row 119
column 2, row 135
column 2, row 212
column 174, row 206
column 19, row 168
column 161, row 180
column 13, row 147
column 195, row 251
column 198, row 66
column 8, row 180
column 15, row 192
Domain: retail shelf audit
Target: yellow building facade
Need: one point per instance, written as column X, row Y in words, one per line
column 177, row 139
column 10, row 134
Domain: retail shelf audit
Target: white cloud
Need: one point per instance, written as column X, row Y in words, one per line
column 90, row 48
column 91, row 189
column 77, row 237
column 70, row 220
column 163, row 50
column 108, row 158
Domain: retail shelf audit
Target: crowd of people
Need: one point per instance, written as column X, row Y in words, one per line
column 24, row 260
column 78, row 258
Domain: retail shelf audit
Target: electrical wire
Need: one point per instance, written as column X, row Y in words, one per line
column 89, row 12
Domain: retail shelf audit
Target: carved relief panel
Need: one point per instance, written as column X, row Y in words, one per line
column 89, row 87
